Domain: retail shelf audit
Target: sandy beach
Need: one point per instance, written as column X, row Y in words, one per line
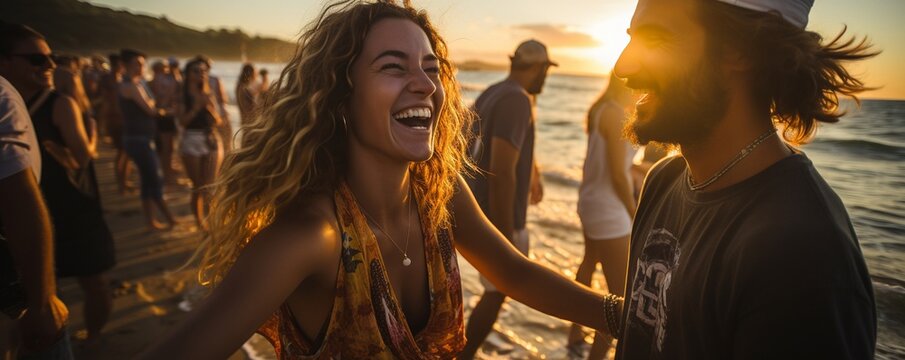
column 146, row 288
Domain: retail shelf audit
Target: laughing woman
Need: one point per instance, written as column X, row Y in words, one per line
column 336, row 223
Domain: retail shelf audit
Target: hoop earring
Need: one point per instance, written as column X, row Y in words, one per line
column 345, row 123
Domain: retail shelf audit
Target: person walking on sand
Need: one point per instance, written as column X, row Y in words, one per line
column 264, row 84
column 140, row 114
column 338, row 221
column 201, row 146
column 606, row 203
column 246, row 93
column 32, row 318
column 111, row 118
column 508, row 179
column 740, row 249
column 165, row 89
column 224, row 127
column 67, row 80
column 83, row 244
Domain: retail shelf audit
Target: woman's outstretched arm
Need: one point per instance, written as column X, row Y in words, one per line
column 514, row 274
column 269, row 268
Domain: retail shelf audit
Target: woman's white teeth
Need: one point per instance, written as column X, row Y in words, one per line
column 413, row 113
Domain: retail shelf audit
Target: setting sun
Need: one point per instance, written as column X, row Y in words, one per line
column 610, row 32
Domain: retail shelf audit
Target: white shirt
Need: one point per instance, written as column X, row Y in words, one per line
column 18, row 143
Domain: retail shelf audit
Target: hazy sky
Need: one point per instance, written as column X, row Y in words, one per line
column 585, row 36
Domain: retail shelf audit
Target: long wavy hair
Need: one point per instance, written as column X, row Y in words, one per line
column 297, row 147
column 245, row 75
column 795, row 72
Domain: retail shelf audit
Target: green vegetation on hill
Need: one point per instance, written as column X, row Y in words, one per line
column 79, row 27
column 477, row 65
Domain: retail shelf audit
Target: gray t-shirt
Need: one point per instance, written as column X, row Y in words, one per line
column 18, row 143
column 504, row 111
column 18, row 151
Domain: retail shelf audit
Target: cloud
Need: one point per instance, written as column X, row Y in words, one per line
column 558, row 35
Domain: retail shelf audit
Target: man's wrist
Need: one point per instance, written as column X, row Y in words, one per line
column 612, row 311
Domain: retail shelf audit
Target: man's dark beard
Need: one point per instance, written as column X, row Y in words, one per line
column 538, row 84
column 687, row 111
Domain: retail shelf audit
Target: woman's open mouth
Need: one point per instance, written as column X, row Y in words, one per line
column 418, row 118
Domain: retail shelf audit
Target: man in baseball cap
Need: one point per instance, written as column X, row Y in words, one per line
column 509, row 180
column 740, row 249
column 532, row 52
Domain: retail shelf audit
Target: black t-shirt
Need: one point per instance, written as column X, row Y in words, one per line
column 769, row 268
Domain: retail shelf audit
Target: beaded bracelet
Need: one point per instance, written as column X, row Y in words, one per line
column 611, row 314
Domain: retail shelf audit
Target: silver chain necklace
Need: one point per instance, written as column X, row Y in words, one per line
column 405, row 256
column 741, row 155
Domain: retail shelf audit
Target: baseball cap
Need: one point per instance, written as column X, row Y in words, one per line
column 793, row 11
column 532, row 52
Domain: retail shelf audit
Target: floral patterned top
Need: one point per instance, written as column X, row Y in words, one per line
column 367, row 321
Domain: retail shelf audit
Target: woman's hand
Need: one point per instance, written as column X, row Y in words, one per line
column 61, row 154
column 43, row 325
column 211, row 106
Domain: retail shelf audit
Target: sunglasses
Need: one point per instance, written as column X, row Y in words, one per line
column 36, row 59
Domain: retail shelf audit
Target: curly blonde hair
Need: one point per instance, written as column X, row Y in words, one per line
column 296, row 144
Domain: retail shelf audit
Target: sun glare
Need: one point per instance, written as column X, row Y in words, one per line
column 610, row 32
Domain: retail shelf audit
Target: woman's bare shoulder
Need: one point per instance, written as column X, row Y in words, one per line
column 306, row 230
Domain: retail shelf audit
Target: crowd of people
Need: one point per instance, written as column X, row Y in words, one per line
column 149, row 119
column 334, row 229
column 72, row 105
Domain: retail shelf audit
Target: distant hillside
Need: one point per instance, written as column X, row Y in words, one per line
column 82, row 28
column 478, row 65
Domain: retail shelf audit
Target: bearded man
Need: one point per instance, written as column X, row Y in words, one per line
column 740, row 249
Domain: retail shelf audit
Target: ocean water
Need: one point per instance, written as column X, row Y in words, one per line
column 862, row 158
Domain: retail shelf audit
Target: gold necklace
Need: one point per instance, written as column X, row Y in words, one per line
column 741, row 155
column 405, row 257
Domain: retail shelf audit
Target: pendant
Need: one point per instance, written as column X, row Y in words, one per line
column 406, row 261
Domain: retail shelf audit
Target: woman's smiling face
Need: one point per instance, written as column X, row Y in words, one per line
column 397, row 95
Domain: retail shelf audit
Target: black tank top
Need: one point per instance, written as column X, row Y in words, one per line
column 136, row 122
column 203, row 121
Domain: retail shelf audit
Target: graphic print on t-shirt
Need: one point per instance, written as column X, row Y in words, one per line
column 653, row 274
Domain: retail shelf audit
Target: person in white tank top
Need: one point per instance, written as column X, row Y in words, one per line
column 606, row 203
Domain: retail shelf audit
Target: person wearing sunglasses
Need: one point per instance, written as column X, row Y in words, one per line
column 82, row 241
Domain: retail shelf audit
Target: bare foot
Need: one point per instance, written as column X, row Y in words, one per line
column 157, row 226
column 202, row 226
column 128, row 189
